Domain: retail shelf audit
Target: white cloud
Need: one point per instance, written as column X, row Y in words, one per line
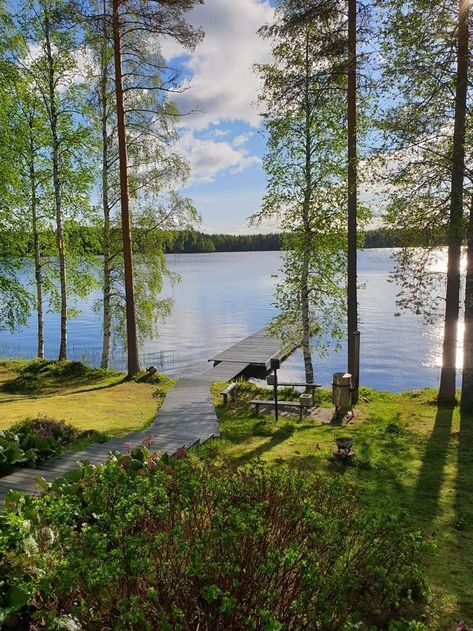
column 241, row 139
column 209, row 158
column 224, row 86
column 219, row 133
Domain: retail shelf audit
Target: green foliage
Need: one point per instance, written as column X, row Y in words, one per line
column 418, row 69
column 56, row 162
column 303, row 99
column 149, row 543
column 36, row 440
column 15, row 299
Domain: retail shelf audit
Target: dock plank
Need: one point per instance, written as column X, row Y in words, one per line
column 186, row 417
column 256, row 349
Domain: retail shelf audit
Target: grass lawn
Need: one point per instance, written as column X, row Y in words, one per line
column 86, row 398
column 408, row 454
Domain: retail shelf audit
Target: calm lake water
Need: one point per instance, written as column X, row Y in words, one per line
column 223, row 297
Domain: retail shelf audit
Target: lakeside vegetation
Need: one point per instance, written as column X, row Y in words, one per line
column 87, row 398
column 151, row 543
column 261, row 529
column 409, row 455
column 88, row 239
column 411, row 458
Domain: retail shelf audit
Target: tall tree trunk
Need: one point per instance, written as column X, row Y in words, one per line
column 307, row 354
column 53, row 116
column 352, row 298
column 37, row 251
column 466, row 403
column 446, row 393
column 305, row 298
column 107, row 314
column 132, row 340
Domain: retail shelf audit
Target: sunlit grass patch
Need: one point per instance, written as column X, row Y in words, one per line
column 409, row 455
column 88, row 398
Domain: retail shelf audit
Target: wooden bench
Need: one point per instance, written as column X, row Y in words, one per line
column 293, row 384
column 305, row 401
column 230, row 391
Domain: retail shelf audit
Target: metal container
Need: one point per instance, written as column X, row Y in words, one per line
column 344, row 443
column 343, row 446
column 341, row 390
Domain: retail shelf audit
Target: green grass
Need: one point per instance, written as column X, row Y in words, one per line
column 87, row 398
column 409, row 454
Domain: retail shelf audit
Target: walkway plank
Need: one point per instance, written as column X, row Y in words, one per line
column 186, row 417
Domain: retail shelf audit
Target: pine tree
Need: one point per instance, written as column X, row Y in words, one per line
column 148, row 18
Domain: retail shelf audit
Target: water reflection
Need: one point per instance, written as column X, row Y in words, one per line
column 224, row 297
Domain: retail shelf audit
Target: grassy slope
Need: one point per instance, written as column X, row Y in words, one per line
column 97, row 400
column 408, row 454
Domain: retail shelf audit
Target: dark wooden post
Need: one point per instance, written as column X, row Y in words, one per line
column 352, row 298
column 356, row 367
column 275, row 364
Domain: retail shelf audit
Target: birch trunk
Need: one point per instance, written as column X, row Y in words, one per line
column 37, row 250
column 305, row 295
column 53, row 116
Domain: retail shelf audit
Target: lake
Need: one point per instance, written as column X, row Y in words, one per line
column 223, row 297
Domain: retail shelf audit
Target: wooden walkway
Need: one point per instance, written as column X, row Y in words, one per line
column 186, row 417
column 256, row 349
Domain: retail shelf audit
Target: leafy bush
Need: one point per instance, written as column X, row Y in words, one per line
column 149, row 543
column 35, row 440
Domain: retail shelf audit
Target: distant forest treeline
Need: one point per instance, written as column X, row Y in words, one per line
column 201, row 242
column 189, row 241
column 88, row 240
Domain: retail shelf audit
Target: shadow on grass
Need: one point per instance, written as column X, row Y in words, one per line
column 463, row 511
column 279, row 436
column 58, row 393
column 432, row 472
column 105, row 387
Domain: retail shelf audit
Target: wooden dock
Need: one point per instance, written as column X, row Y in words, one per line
column 256, row 350
column 186, row 417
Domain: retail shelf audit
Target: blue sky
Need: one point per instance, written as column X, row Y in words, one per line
column 224, row 140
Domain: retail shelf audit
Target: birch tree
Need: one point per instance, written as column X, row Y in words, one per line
column 304, row 103
column 15, row 299
column 35, row 197
column 50, row 62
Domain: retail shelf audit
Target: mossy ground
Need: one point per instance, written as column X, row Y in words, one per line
column 87, row 398
column 409, row 454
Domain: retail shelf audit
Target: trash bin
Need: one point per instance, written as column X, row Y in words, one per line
column 341, row 390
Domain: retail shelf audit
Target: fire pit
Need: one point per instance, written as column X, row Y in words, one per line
column 343, row 446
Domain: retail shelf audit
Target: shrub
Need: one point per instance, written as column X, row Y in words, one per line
column 149, row 543
column 37, row 440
